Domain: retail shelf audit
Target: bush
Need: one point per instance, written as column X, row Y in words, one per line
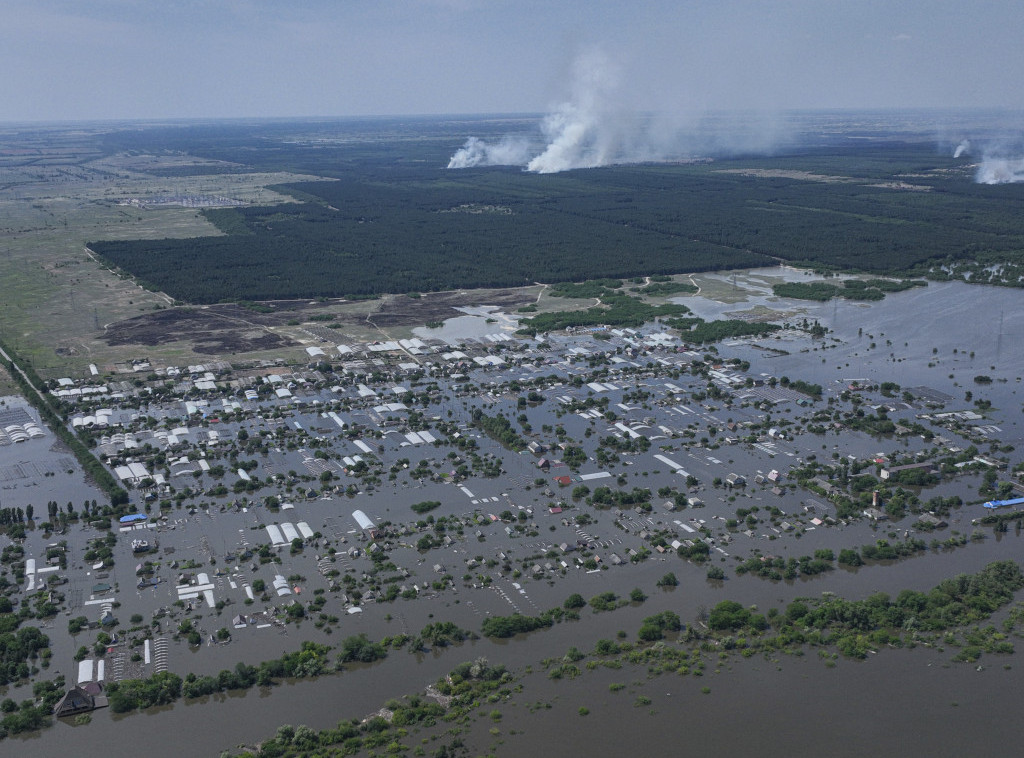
column 574, row 602
column 727, row 615
column 606, row 601
column 848, row 557
column 509, row 626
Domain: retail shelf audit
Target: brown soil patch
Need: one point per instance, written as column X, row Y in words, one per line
column 403, row 310
column 232, row 328
column 208, row 331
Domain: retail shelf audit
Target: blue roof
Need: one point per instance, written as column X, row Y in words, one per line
column 133, row 517
column 1004, row 503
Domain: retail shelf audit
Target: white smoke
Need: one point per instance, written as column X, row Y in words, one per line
column 1001, row 161
column 584, row 131
column 1000, row 171
column 594, row 126
column 508, row 151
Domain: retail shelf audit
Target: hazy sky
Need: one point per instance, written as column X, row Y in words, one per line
column 111, row 59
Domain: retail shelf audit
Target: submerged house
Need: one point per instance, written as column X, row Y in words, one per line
column 80, row 700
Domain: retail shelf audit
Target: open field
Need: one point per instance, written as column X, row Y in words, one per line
column 58, row 301
column 231, row 329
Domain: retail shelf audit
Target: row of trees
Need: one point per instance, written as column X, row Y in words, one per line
column 469, row 686
column 509, row 626
column 93, row 468
column 312, row 659
column 856, row 626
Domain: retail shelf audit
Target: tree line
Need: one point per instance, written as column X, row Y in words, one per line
column 93, row 468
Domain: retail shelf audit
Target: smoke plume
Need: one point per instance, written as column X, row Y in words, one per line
column 508, row 151
column 1000, row 171
column 584, row 131
column 1001, row 161
column 595, row 126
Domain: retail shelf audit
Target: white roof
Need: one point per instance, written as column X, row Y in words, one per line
column 138, row 469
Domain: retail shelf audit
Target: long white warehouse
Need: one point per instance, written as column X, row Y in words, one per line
column 275, row 535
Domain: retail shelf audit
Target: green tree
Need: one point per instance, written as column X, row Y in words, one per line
column 574, row 601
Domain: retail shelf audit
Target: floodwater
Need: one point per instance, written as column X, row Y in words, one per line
column 941, row 337
column 797, row 706
column 479, row 322
column 924, row 325
column 40, row 469
column 899, row 702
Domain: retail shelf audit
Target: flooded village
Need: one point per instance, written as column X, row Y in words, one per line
column 453, row 476
column 464, row 379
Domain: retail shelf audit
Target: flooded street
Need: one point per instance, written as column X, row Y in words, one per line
column 927, row 340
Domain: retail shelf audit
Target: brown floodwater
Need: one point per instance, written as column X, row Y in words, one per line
column 899, row 702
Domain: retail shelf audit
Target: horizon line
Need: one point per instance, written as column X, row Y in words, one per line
column 181, row 120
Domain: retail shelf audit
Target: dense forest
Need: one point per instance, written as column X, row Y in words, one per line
column 395, row 220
